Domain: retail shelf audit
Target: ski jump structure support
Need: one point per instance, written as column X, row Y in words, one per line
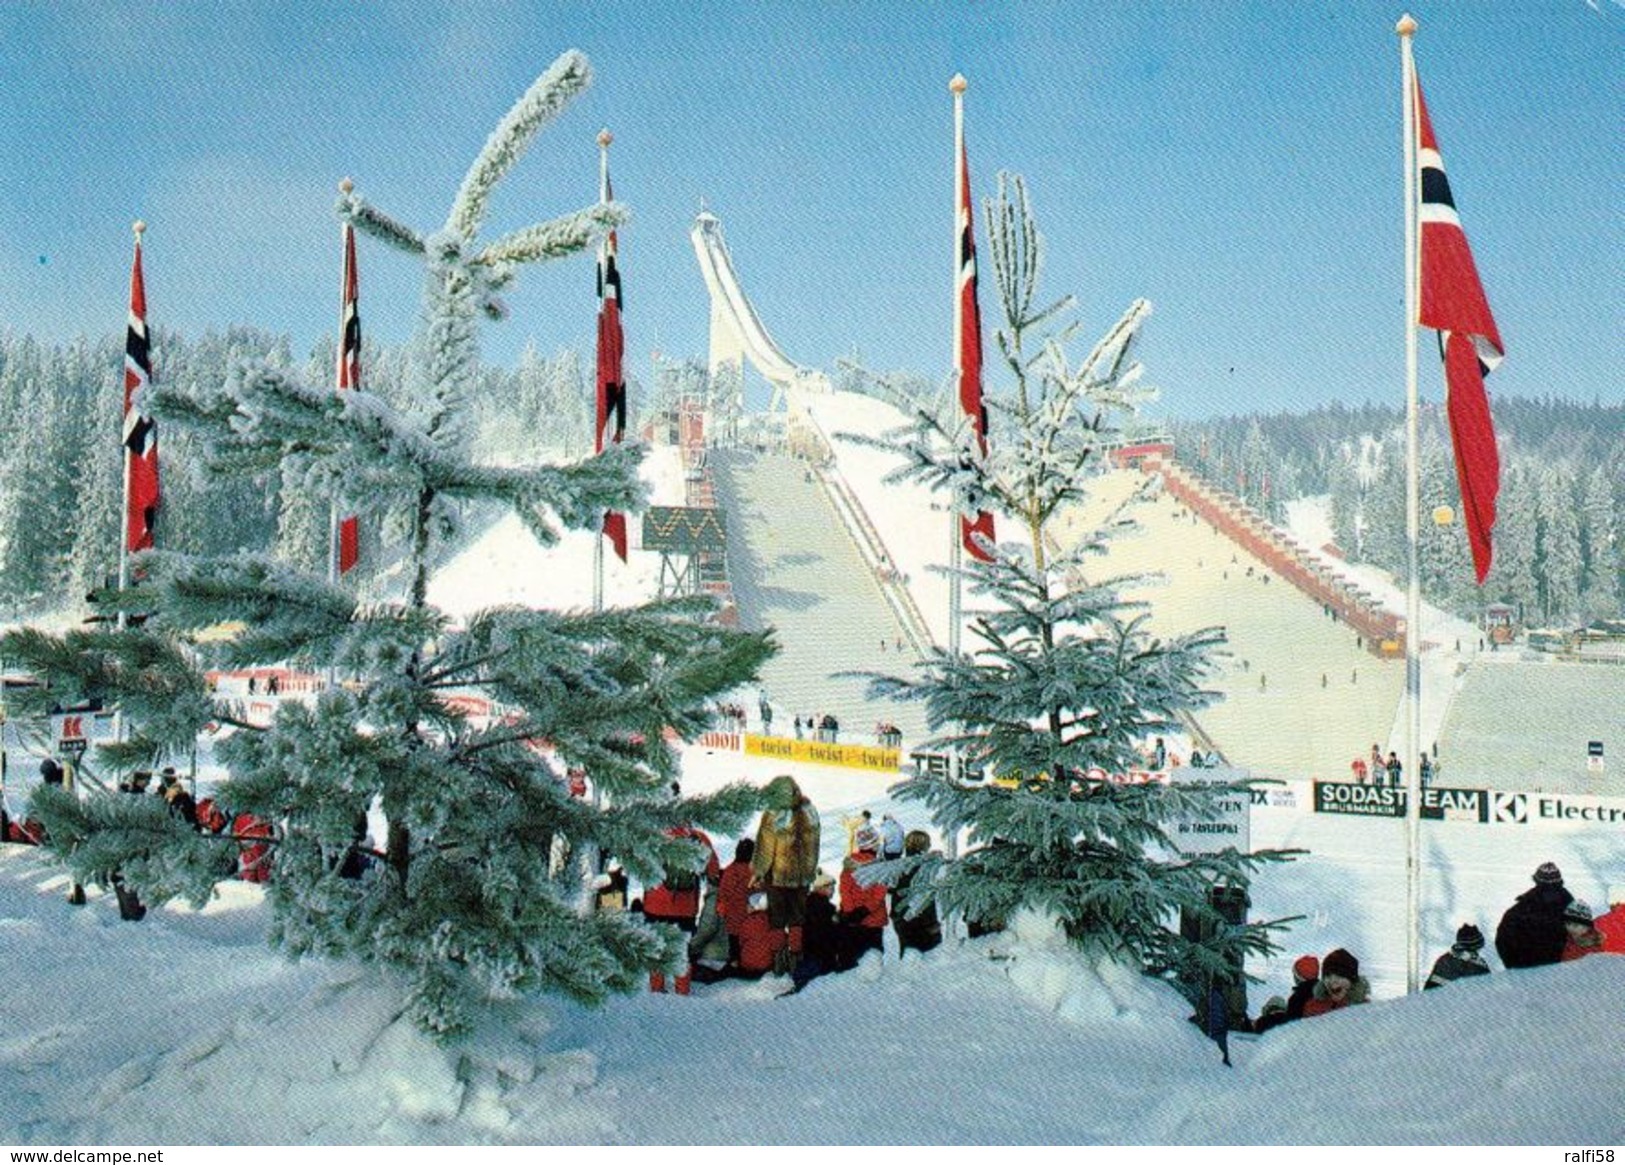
column 737, row 332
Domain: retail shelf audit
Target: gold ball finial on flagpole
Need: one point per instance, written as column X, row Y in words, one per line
column 345, row 186
column 604, row 138
column 1406, row 25
column 139, row 226
column 958, row 85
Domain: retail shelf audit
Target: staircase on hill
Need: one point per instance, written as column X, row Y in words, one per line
column 795, row 568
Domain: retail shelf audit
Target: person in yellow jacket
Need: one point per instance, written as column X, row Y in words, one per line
column 786, row 859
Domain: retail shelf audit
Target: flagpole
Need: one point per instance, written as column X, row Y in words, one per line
column 140, row 228
column 345, row 187
column 1412, row 735
column 955, row 552
column 604, row 139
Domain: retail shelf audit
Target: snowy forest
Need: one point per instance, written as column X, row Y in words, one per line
column 59, row 490
column 1559, row 557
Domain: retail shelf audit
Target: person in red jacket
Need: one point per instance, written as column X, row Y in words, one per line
column 676, row 900
column 1583, row 938
column 1340, row 985
column 254, row 858
column 733, row 894
column 1612, row 925
column 863, row 908
column 760, row 942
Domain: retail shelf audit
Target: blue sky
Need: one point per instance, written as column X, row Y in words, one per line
column 1238, row 165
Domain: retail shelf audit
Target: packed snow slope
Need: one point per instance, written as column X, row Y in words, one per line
column 186, row 1029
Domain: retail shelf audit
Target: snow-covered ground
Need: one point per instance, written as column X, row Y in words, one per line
column 187, row 1029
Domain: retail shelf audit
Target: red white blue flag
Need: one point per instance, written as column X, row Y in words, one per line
column 611, row 396
column 141, row 492
column 968, row 349
column 1453, row 303
column 348, row 548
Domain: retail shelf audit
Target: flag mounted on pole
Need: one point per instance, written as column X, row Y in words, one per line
column 141, row 493
column 968, row 327
column 1453, row 303
column 611, row 397
column 347, row 535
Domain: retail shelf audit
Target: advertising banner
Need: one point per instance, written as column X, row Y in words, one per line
column 847, row 756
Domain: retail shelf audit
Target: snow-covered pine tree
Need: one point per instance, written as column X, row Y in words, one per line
column 478, row 895
column 1067, row 677
column 1599, row 530
column 1560, row 562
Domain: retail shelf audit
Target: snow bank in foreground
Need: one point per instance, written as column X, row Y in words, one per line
column 186, row 1029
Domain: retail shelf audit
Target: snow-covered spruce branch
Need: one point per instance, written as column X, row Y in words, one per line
column 371, row 221
column 557, row 239
column 561, row 83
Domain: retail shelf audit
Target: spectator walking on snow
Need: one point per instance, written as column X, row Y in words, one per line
column 1462, row 960
column 1531, row 933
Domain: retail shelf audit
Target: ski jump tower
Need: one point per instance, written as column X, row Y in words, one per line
column 737, row 332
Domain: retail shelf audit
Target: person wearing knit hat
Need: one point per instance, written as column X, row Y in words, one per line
column 1531, row 933
column 1305, row 974
column 1583, row 938
column 1340, row 985
column 1612, row 925
column 1462, row 960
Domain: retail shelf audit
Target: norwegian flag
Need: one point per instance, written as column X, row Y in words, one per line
column 348, row 548
column 141, row 493
column 968, row 347
column 1453, row 302
column 611, row 406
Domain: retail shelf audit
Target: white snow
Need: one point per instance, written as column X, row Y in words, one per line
column 187, row 1029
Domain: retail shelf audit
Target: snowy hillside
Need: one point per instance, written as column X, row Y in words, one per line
column 186, row 1029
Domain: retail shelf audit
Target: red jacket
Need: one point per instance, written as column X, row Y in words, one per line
column 1612, row 928
column 663, row 902
column 758, row 943
column 1578, row 950
column 863, row 905
column 254, row 860
column 733, row 895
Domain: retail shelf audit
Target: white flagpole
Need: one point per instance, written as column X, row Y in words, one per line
column 955, row 538
column 956, row 550
column 604, row 139
column 345, row 187
column 1413, row 605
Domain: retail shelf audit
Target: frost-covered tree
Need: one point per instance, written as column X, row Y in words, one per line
column 1512, row 576
column 478, row 895
column 1560, row 551
column 1065, row 677
column 1599, row 532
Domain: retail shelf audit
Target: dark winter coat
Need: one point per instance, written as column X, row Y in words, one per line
column 1531, row 933
column 1301, row 994
column 1456, row 963
column 923, row 932
column 823, row 943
